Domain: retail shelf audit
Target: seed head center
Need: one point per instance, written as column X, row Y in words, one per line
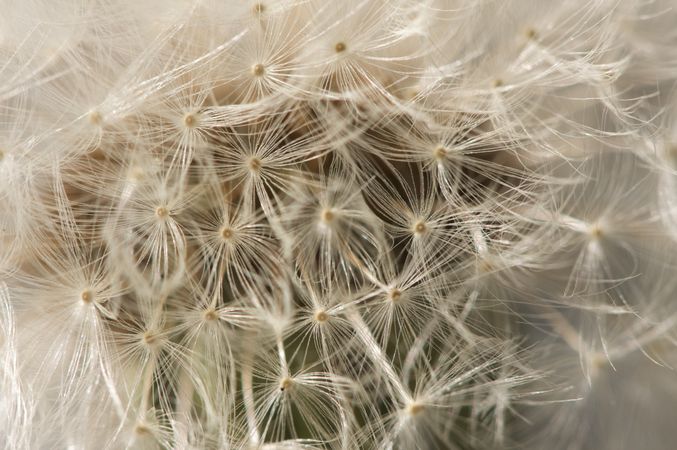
column 95, row 118
column 440, row 152
column 211, row 314
column 596, row 231
column 286, row 383
column 162, row 212
column 415, row 408
column 227, row 233
column 87, row 296
column 259, row 8
column 328, row 215
column 255, row 164
column 258, row 70
column 190, row 120
column 150, row 338
column 136, row 173
column 321, row 316
column 420, row 227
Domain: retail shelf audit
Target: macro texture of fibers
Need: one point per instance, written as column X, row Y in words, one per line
column 338, row 224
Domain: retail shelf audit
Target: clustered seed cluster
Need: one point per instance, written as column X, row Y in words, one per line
column 354, row 224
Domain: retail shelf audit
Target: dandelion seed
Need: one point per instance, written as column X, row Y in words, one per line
column 286, row 384
column 95, row 118
column 327, row 216
column 596, row 232
column 190, row 120
column 440, row 152
column 141, row 429
column 227, row 233
column 162, row 212
column 420, row 227
column 150, row 338
column 259, row 8
column 258, row 70
column 87, row 296
column 414, row 409
column 211, row 315
column 136, row 173
column 255, row 164
column 321, row 316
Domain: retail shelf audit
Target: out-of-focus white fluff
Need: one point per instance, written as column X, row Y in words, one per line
column 359, row 224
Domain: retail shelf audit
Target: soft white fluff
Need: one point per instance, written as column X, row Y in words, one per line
column 347, row 224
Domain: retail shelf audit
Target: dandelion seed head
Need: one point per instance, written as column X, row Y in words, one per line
column 210, row 315
column 351, row 224
column 596, row 231
column 415, row 408
column 255, row 164
column 420, row 227
column 190, row 120
column 141, row 429
column 327, row 216
column 227, row 233
column 321, row 316
column 136, row 173
column 440, row 152
column 95, row 118
column 151, row 339
column 162, row 212
column 258, row 70
column 286, row 384
column 87, row 296
column 259, row 8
